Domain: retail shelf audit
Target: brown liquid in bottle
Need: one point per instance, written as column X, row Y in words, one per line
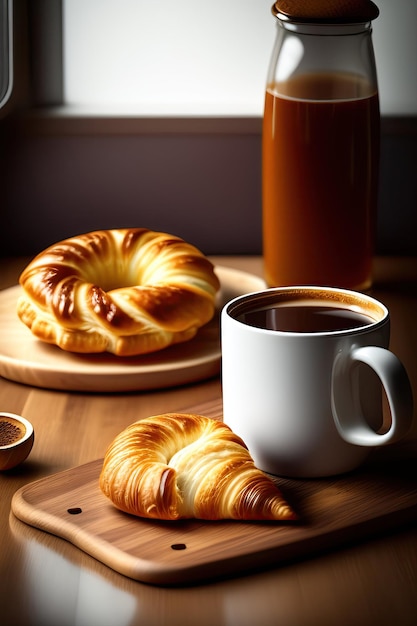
column 319, row 177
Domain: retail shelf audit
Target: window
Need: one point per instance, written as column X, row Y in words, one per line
column 204, row 58
column 6, row 56
column 167, row 58
column 149, row 113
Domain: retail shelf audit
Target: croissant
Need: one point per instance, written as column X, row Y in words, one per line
column 128, row 291
column 175, row 466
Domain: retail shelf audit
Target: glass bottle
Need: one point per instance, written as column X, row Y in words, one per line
column 321, row 145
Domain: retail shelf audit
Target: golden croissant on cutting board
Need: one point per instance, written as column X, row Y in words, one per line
column 177, row 465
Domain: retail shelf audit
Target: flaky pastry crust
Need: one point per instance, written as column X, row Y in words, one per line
column 178, row 465
column 125, row 291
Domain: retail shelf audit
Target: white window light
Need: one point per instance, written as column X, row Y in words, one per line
column 156, row 58
column 205, row 59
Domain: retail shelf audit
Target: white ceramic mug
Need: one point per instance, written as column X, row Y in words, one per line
column 306, row 396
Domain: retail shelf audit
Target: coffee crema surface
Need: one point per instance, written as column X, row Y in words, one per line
column 305, row 318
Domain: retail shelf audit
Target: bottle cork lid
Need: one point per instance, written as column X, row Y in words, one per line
column 326, row 11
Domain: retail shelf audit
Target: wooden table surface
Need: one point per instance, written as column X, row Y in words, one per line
column 46, row 581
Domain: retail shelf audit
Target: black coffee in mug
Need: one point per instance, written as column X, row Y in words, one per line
column 309, row 403
column 311, row 317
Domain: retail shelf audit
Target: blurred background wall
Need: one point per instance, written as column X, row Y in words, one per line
column 147, row 114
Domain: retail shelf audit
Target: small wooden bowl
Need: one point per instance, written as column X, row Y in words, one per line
column 16, row 440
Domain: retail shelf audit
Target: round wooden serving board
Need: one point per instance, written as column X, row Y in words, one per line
column 25, row 359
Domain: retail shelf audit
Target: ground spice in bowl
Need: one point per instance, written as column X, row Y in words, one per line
column 16, row 440
column 10, row 431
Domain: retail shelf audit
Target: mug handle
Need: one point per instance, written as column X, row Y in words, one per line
column 347, row 413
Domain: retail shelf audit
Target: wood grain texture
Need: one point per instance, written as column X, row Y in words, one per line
column 46, row 580
column 381, row 495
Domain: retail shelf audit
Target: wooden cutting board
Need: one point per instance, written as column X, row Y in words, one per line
column 380, row 496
